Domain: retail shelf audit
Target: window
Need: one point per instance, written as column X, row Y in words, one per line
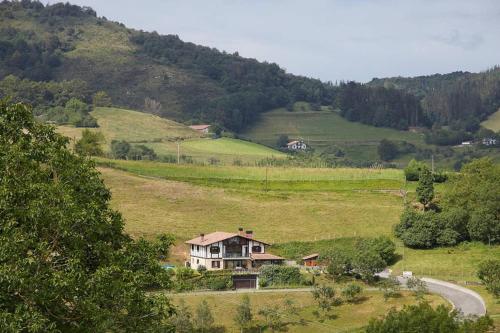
column 214, row 249
column 192, row 247
column 198, row 248
column 256, row 248
column 216, row 264
column 197, row 261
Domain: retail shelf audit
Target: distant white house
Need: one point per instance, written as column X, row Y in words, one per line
column 489, row 141
column 201, row 128
column 466, row 143
column 296, row 145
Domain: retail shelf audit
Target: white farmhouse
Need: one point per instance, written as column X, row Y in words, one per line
column 234, row 251
column 296, row 145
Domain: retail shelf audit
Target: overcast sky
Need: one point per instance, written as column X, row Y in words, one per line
column 331, row 40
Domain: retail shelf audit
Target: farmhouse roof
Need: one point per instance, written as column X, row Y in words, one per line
column 292, row 142
column 311, row 256
column 199, row 127
column 217, row 236
column 265, row 256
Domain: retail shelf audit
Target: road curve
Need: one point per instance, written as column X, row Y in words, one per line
column 466, row 301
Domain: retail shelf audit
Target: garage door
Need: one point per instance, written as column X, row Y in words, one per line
column 245, row 282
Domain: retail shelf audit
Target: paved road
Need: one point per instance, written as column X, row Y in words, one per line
column 468, row 302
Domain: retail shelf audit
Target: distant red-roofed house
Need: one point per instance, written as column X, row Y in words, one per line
column 201, row 128
column 296, row 145
column 224, row 250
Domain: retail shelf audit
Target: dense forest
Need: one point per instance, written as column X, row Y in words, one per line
column 64, row 44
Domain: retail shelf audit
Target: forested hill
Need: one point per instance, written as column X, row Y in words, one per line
column 54, row 54
column 459, row 97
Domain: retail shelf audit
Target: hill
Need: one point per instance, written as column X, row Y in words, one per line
column 161, row 74
column 162, row 136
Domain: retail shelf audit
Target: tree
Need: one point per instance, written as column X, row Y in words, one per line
column 387, row 150
column 423, row 318
column 272, row 318
column 101, row 98
column 413, row 170
column 282, row 141
column 351, row 292
column 425, row 187
column 366, row 263
column 120, row 149
column 182, row 320
column 390, row 287
column 484, row 226
column 66, row 264
column 204, row 319
column 325, row 297
column 243, row 316
column 489, row 274
column 339, row 263
column 90, row 143
column 418, row 287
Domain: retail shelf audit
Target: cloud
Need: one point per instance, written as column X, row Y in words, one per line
column 457, row 39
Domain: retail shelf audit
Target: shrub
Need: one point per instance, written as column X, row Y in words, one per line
column 280, row 275
column 413, row 169
column 351, row 292
column 489, row 274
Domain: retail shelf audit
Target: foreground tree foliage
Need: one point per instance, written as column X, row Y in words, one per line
column 65, row 263
column 423, row 318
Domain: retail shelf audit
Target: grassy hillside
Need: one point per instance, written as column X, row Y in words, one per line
column 162, row 135
column 493, row 122
column 314, row 205
column 325, row 128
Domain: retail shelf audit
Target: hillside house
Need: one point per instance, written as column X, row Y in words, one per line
column 311, row 260
column 201, row 128
column 296, row 145
column 489, row 142
column 224, row 250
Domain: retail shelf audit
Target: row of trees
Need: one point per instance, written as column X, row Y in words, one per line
column 468, row 210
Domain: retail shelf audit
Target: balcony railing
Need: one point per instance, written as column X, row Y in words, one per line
column 235, row 255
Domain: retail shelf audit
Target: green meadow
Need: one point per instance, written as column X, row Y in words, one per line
column 493, row 122
column 164, row 136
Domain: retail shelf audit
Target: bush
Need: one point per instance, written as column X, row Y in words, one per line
column 413, row 169
column 417, row 230
column 280, row 275
column 489, row 274
column 387, row 150
column 351, row 292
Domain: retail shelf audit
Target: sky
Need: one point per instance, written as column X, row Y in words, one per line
column 331, row 40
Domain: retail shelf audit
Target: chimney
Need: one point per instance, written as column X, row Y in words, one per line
column 240, row 231
column 202, row 236
column 249, row 233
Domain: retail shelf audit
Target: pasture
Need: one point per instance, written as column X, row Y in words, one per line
column 344, row 318
column 324, row 128
column 493, row 122
column 162, row 136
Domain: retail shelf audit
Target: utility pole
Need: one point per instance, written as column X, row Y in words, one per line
column 267, row 166
column 178, row 152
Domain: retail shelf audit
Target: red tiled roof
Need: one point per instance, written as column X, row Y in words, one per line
column 265, row 256
column 311, row 256
column 199, row 127
column 217, row 236
column 292, row 142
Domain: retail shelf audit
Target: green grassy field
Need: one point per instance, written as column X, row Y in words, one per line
column 345, row 318
column 162, row 134
column 325, row 128
column 313, row 205
column 153, row 206
column 493, row 122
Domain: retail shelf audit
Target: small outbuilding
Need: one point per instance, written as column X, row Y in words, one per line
column 311, row 260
